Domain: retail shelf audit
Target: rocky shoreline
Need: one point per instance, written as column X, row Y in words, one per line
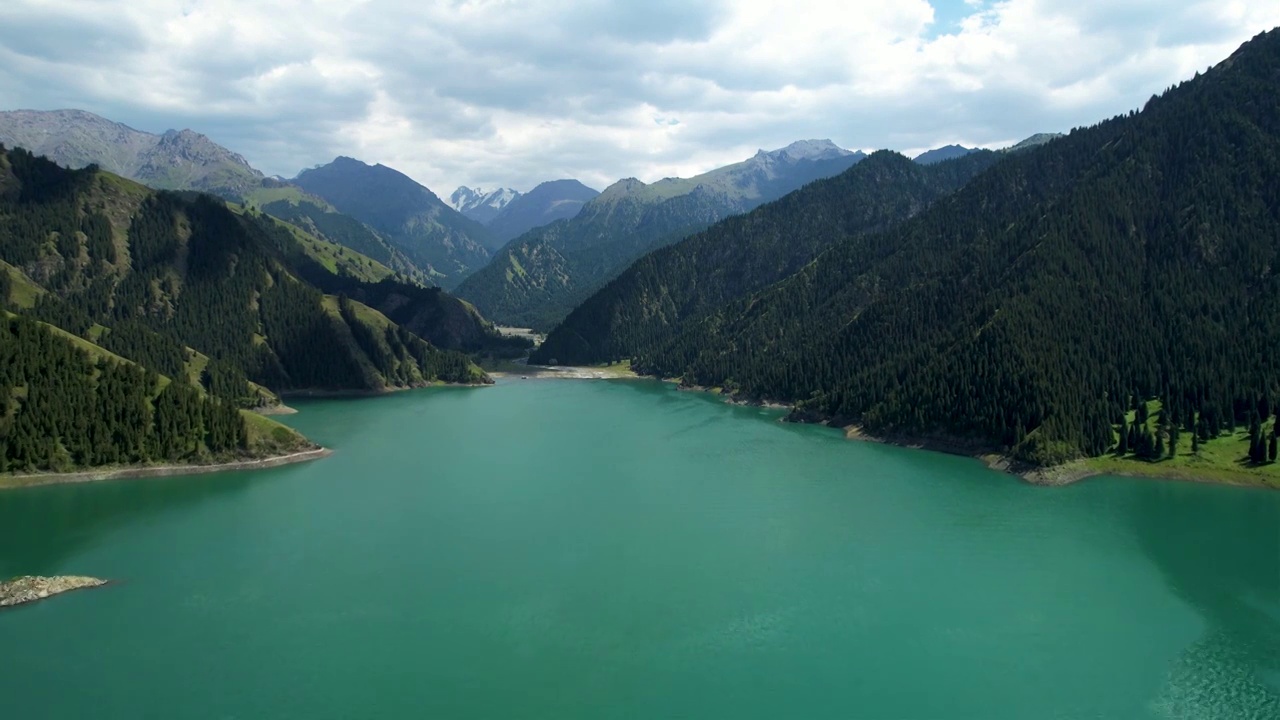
column 33, row 588
column 158, row 471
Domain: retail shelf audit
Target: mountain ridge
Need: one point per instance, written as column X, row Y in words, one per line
column 407, row 213
column 1042, row 309
column 479, row 204
column 537, row 278
column 677, row 284
column 548, row 202
column 172, row 160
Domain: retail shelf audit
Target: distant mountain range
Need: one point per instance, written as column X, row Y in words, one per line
column 543, row 205
column 433, row 235
column 481, row 205
column 174, row 160
column 399, row 222
column 678, row 285
column 541, row 270
column 538, row 277
column 509, row 213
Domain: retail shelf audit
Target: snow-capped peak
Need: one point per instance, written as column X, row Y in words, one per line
column 465, row 198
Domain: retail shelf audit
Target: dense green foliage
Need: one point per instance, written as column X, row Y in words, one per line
column 431, row 313
column 437, row 238
column 191, row 274
column 744, row 254
column 536, row 279
column 61, row 409
column 1133, row 259
column 346, row 231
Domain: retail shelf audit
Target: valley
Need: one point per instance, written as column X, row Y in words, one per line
column 735, row 435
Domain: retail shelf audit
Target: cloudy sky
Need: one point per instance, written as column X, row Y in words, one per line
column 513, row 92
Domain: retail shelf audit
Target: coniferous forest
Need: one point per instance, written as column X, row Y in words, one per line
column 1043, row 308
column 137, row 324
column 61, row 409
column 681, row 283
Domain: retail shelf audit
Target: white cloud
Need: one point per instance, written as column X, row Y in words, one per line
column 504, row 92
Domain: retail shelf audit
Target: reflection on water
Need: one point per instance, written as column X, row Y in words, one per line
column 1221, row 555
column 53, row 523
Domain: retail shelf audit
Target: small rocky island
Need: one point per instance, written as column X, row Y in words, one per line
column 31, row 588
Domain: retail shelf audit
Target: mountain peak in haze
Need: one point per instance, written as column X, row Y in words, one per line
column 1034, row 141
column 537, row 277
column 946, row 152
column 808, row 150
column 173, row 160
column 546, row 203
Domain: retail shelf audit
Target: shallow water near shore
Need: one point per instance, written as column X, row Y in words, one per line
column 595, row 549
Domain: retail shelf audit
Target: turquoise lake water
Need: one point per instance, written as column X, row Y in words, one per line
column 614, row 549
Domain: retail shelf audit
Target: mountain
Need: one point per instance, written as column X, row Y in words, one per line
column 536, row 279
column 139, row 324
column 432, row 234
column 481, row 205
column 946, row 152
column 174, row 160
column 311, row 213
column 67, row 404
column 1034, row 141
column 1116, row 290
column 543, row 205
column 156, row 276
column 739, row 256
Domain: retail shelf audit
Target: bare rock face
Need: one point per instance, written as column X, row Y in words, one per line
column 31, row 588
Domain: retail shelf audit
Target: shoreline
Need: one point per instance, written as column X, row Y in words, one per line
column 28, row 589
column 12, row 482
column 729, row 397
column 1059, row 475
column 567, row 372
column 270, row 410
column 996, row 459
column 318, row 394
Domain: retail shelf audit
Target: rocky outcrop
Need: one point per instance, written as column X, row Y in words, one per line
column 31, row 588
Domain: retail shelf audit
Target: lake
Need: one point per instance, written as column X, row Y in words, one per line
column 619, row 549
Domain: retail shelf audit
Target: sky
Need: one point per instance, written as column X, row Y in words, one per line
column 514, row 92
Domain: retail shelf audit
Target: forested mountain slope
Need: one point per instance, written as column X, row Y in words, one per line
column 1131, row 260
column 149, row 275
column 536, row 279
column 63, row 408
column 316, row 216
column 433, row 235
column 744, row 254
